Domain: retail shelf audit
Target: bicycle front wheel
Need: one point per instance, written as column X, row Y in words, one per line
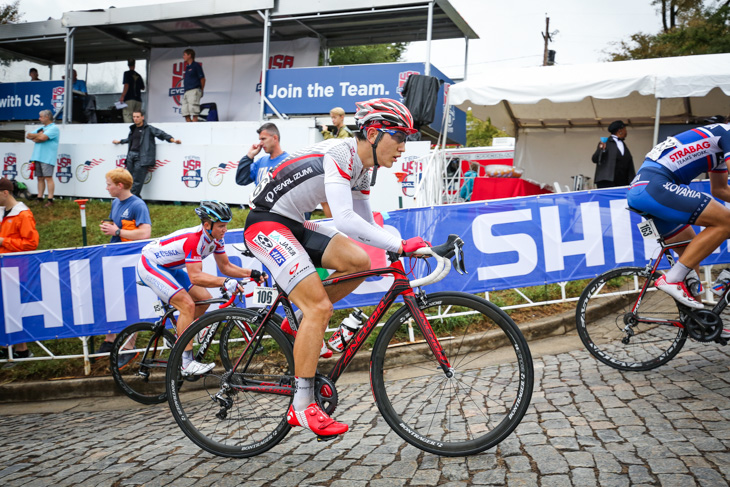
column 619, row 336
column 239, row 410
column 482, row 398
column 138, row 361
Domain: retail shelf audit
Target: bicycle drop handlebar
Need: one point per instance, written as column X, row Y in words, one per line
column 442, row 253
column 236, row 293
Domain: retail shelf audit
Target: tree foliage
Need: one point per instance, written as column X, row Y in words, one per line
column 9, row 14
column 374, row 53
column 689, row 28
column 479, row 133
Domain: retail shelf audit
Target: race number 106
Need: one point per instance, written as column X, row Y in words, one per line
column 264, row 296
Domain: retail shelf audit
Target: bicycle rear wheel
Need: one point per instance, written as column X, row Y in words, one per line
column 217, row 412
column 140, row 374
column 491, row 376
column 618, row 337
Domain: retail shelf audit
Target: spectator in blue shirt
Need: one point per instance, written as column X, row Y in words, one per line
column 128, row 220
column 468, row 187
column 250, row 171
column 79, row 84
column 45, row 152
column 194, row 85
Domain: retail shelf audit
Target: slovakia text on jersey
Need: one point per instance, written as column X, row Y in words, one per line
column 691, row 153
column 184, row 246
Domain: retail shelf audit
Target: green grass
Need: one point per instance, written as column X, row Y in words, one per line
column 60, row 225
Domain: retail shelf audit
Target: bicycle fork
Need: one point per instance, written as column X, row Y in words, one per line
column 423, row 324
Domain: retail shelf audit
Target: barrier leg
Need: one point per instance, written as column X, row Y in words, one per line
column 87, row 360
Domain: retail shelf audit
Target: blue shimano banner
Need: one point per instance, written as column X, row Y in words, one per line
column 317, row 90
column 23, row 101
column 509, row 243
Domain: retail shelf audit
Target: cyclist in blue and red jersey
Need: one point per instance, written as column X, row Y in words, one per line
column 336, row 171
column 661, row 189
column 172, row 267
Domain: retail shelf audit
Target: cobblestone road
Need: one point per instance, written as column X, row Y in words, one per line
column 587, row 425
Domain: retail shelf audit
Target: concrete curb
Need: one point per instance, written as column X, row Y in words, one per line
column 105, row 387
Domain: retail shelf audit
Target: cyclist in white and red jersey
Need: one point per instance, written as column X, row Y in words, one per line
column 339, row 172
column 661, row 189
column 172, row 267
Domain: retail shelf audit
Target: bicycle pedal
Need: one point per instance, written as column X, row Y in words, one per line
column 327, row 438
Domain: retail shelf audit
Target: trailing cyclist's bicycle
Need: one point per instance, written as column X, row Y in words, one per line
column 450, row 372
column 625, row 322
column 140, row 353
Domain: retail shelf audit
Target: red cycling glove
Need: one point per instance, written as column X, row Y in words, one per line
column 413, row 244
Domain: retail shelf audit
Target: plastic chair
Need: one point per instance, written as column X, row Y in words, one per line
column 209, row 112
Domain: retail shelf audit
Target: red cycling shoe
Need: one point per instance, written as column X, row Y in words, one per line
column 679, row 291
column 324, row 352
column 316, row 420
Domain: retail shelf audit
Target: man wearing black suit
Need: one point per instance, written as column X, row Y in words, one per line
column 614, row 164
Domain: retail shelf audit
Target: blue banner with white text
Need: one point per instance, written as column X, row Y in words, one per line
column 509, row 243
column 317, row 90
column 23, row 101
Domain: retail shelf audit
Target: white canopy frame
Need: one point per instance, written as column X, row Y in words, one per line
column 557, row 113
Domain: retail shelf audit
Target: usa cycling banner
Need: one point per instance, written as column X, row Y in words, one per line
column 232, row 75
column 509, row 243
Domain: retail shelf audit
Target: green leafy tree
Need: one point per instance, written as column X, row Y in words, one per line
column 374, row 53
column 9, row 14
column 479, row 133
column 689, row 28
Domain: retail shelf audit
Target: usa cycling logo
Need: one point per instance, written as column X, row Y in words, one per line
column 407, row 175
column 402, row 78
column 57, row 98
column 191, row 171
column 177, row 90
column 82, row 172
column 278, row 61
column 63, row 168
column 10, row 167
column 215, row 174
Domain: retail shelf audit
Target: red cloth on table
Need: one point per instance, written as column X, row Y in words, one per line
column 496, row 188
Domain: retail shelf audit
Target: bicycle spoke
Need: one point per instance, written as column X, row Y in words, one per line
column 461, row 414
column 619, row 336
column 140, row 373
column 223, row 417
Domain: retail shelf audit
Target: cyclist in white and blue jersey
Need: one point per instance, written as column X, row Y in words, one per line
column 661, row 189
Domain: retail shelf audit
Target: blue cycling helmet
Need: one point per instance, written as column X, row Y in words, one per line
column 214, row 211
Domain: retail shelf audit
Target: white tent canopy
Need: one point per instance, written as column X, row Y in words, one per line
column 557, row 113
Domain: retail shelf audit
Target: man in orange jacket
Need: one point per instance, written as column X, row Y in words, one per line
column 17, row 234
column 17, row 229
